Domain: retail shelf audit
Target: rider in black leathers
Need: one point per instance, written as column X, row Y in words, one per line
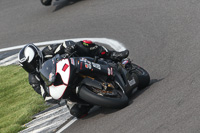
column 31, row 58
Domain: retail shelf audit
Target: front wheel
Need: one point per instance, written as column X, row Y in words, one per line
column 94, row 96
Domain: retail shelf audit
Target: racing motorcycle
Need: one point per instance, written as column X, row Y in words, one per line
column 95, row 81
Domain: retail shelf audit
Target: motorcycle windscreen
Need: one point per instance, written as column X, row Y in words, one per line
column 48, row 71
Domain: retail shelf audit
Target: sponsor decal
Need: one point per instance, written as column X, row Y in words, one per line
column 81, row 66
column 72, row 61
column 93, row 48
column 111, row 71
column 51, row 75
column 65, row 67
column 83, row 59
column 88, row 65
column 108, row 71
column 131, row 82
column 96, row 65
column 124, row 62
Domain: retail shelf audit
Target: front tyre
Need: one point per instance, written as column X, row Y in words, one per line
column 118, row 101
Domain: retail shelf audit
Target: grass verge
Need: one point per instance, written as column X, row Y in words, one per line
column 18, row 101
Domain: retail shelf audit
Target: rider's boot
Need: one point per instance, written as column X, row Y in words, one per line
column 46, row 2
column 118, row 56
column 49, row 100
column 78, row 110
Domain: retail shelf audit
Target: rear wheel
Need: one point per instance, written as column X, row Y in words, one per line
column 142, row 74
column 109, row 99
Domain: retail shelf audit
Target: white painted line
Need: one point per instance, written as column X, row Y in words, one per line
column 67, row 125
column 41, row 121
column 40, row 130
column 113, row 43
column 9, row 60
column 52, row 111
column 14, row 61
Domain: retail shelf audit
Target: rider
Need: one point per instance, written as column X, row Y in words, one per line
column 31, row 59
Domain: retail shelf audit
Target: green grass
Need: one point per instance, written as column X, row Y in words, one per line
column 18, row 101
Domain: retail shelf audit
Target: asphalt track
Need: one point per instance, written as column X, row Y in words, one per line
column 163, row 36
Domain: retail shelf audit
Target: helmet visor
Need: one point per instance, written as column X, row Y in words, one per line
column 29, row 68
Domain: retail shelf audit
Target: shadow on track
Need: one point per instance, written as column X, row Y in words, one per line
column 65, row 3
column 141, row 91
column 100, row 110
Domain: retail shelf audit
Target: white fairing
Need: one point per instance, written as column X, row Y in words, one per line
column 29, row 53
column 57, row 91
column 63, row 68
column 64, row 74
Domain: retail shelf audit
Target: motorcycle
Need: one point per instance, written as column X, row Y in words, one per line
column 110, row 85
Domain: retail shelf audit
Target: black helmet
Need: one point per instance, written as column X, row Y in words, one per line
column 30, row 58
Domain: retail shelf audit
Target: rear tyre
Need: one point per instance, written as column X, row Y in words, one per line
column 110, row 102
column 143, row 76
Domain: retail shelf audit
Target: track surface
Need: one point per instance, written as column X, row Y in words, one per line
column 163, row 36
